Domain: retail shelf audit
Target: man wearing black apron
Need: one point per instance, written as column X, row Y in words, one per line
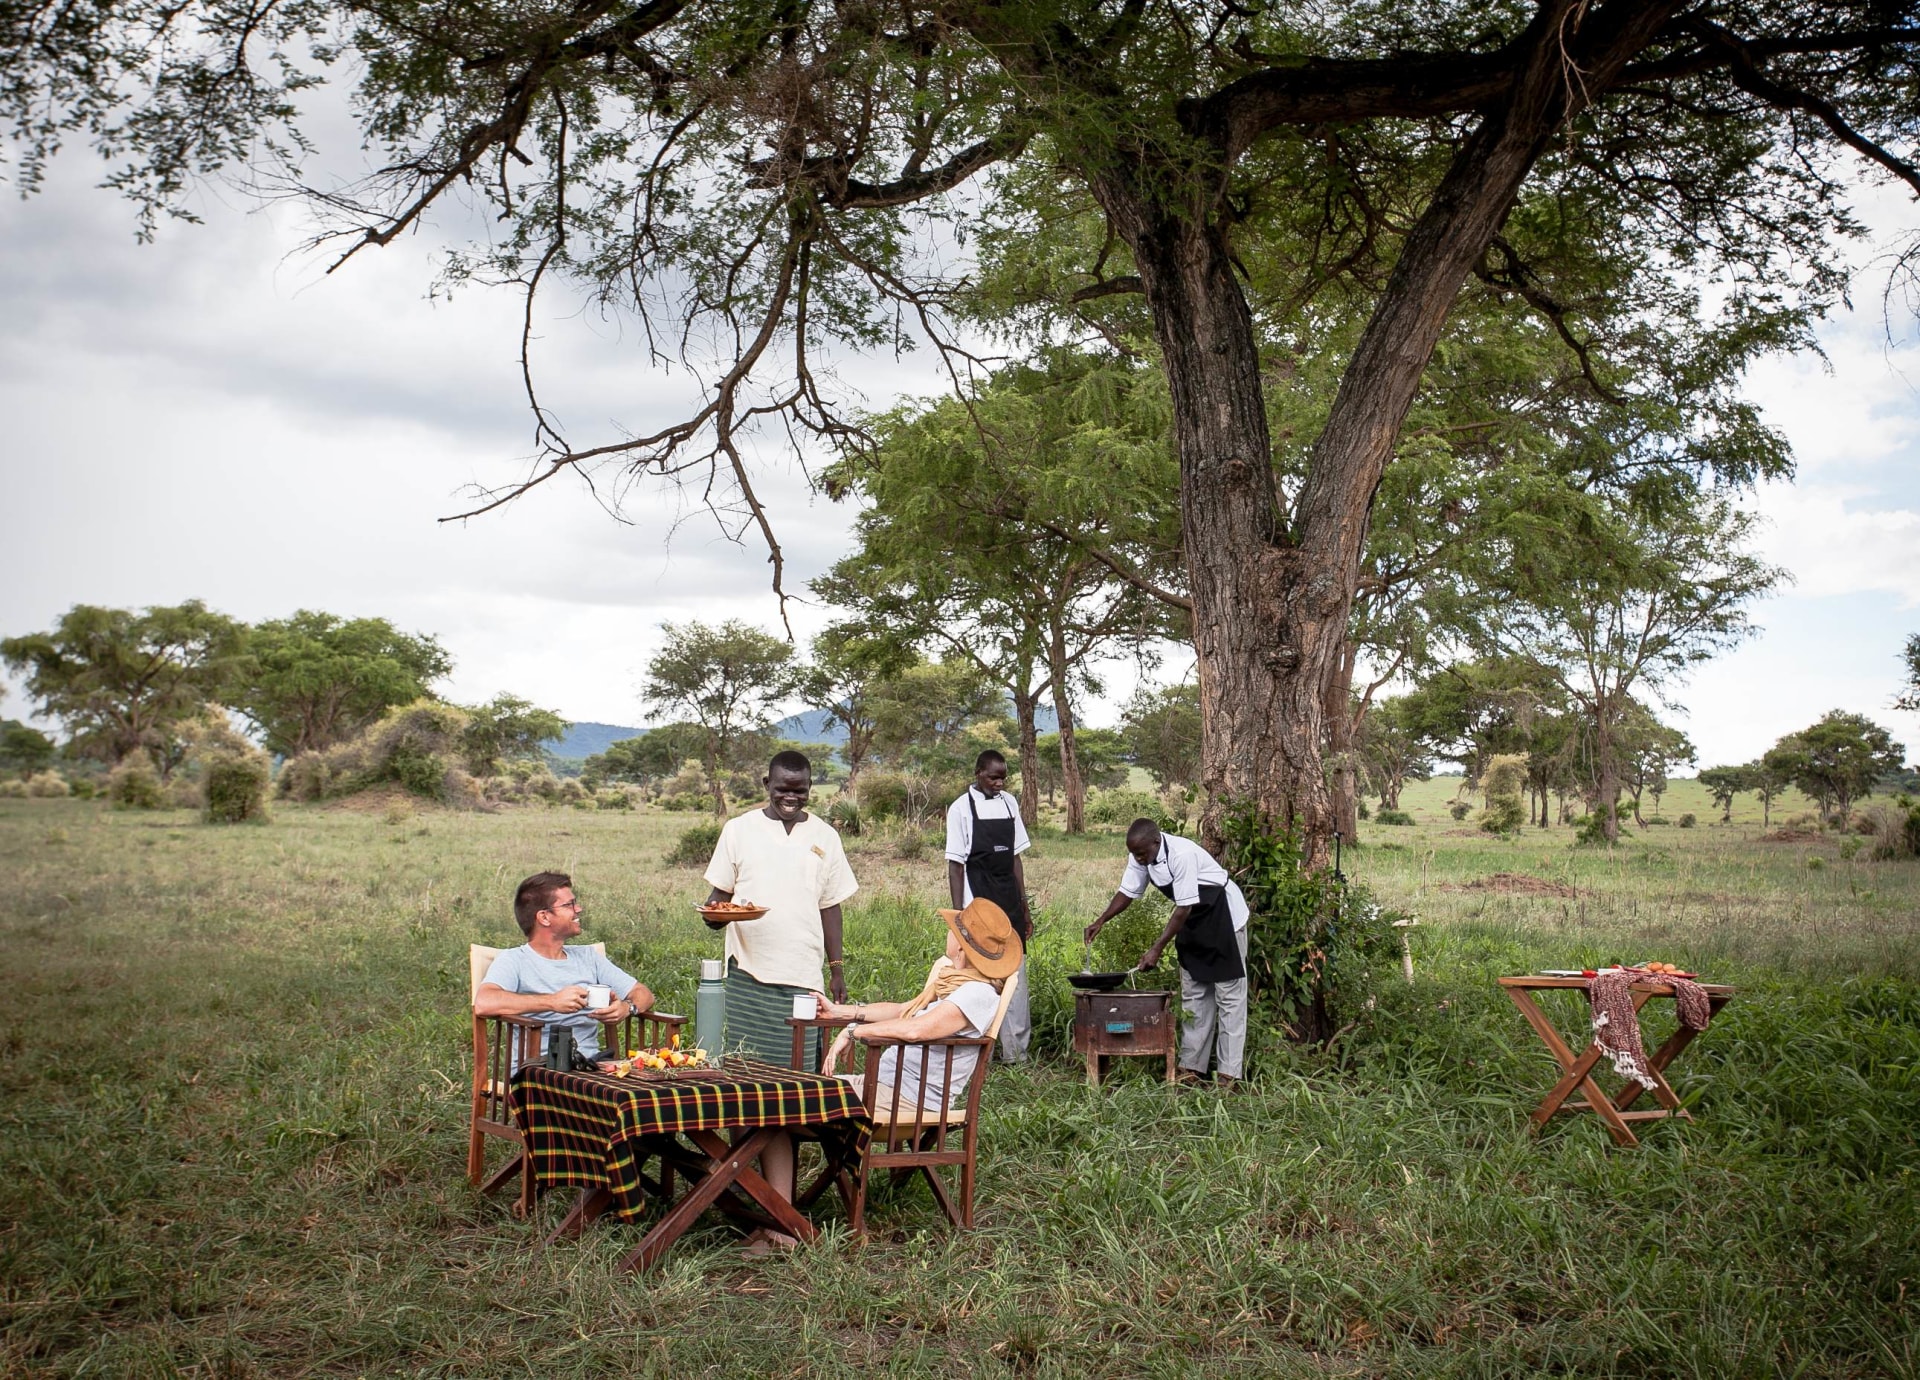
column 1208, row 929
column 985, row 838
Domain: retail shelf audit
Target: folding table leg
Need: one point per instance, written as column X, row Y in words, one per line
column 726, row 1167
column 1578, row 1072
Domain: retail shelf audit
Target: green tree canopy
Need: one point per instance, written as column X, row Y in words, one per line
column 508, row 729
column 122, row 681
column 315, row 679
column 24, row 748
column 654, row 756
column 851, row 662
column 1910, row 687
column 1837, row 760
column 727, row 679
column 1161, row 729
column 1725, row 784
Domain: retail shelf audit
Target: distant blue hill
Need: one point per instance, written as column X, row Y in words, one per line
column 584, row 740
column 587, row 739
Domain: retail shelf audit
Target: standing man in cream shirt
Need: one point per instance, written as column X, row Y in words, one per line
column 791, row 862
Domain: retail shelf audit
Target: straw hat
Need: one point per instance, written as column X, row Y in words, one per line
column 983, row 929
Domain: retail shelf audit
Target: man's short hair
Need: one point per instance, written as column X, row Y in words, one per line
column 535, row 895
column 1141, row 830
column 790, row 760
column 987, row 759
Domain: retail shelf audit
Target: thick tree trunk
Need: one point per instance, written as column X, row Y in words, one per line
column 1071, row 782
column 1609, row 769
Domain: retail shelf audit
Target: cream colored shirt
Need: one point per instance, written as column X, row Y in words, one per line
column 795, row 876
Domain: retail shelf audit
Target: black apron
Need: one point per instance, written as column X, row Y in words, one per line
column 1205, row 945
column 990, row 867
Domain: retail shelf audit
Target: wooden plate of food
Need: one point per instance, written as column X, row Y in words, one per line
column 726, row 912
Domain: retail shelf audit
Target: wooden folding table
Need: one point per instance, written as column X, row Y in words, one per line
column 1577, row 1070
column 704, row 1128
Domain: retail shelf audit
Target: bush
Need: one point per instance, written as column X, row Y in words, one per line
column 1399, row 818
column 135, row 785
column 695, row 847
column 1652, row 820
column 844, row 815
column 183, row 792
column 1591, row 832
column 48, row 785
column 304, row 777
column 1124, row 807
column 1896, row 828
column 460, row 789
column 13, row 788
column 1459, row 809
column 1364, row 812
column 1317, row 944
column 1503, row 815
column 234, row 787
column 1688, row 821
column 616, row 798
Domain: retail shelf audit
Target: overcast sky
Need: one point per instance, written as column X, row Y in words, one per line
column 212, row 416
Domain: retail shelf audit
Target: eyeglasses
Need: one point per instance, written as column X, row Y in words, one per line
column 564, row 905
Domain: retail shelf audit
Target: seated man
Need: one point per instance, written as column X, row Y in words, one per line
column 960, row 998
column 546, row 979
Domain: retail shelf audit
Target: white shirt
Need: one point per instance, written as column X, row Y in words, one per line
column 795, row 876
column 1006, row 805
column 1186, row 867
column 977, row 1001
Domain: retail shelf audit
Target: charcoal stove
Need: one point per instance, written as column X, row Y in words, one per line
column 1110, row 1023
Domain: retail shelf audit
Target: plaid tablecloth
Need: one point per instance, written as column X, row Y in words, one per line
column 589, row 1130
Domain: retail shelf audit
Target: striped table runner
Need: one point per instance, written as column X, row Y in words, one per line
column 591, row 1130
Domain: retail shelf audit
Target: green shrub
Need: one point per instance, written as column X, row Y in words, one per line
column 1591, row 832
column 695, row 846
column 1124, row 807
column 234, row 787
column 1815, row 864
column 883, row 795
column 1398, row 818
column 135, row 785
column 1503, row 815
column 1363, row 811
column 48, row 785
column 418, row 772
column 615, row 799
column 1896, row 828
column 183, row 792
column 1459, row 809
column 1316, row 944
column 1850, row 848
column 1688, row 821
column 844, row 815
column 304, row 777
column 1652, row 820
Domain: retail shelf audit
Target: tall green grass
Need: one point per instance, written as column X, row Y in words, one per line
column 233, row 1103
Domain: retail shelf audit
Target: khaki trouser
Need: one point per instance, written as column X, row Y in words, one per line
column 1216, row 1015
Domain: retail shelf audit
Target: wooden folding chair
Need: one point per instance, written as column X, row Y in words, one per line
column 501, row 1044
column 908, row 1138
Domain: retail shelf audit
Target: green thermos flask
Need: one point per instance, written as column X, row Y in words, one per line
column 710, row 1006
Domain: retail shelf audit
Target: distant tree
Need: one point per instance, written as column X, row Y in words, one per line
column 654, row 756
column 315, row 679
column 1725, row 783
column 1101, row 755
column 850, row 664
column 1162, row 732
column 122, row 682
column 1649, row 750
column 727, row 679
column 23, row 748
column 1393, row 750
column 1768, row 781
column 508, row 729
column 1910, row 692
column 921, row 715
column 1640, row 595
column 1838, row 760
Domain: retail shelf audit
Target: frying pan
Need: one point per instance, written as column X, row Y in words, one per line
column 1087, row 981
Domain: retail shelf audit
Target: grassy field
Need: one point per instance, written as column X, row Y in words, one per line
column 234, row 1118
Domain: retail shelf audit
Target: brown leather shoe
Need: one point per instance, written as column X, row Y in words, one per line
column 1187, row 1078
column 1226, row 1083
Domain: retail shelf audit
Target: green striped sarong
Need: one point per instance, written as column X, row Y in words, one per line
column 757, row 1014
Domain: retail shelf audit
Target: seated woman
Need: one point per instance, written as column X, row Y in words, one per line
column 960, row 998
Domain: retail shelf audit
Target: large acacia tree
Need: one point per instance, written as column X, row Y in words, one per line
column 758, row 177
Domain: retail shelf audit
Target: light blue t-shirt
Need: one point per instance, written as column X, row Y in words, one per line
column 524, row 971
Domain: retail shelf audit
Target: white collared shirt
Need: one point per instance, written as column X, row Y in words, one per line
column 1006, row 805
column 1186, row 867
